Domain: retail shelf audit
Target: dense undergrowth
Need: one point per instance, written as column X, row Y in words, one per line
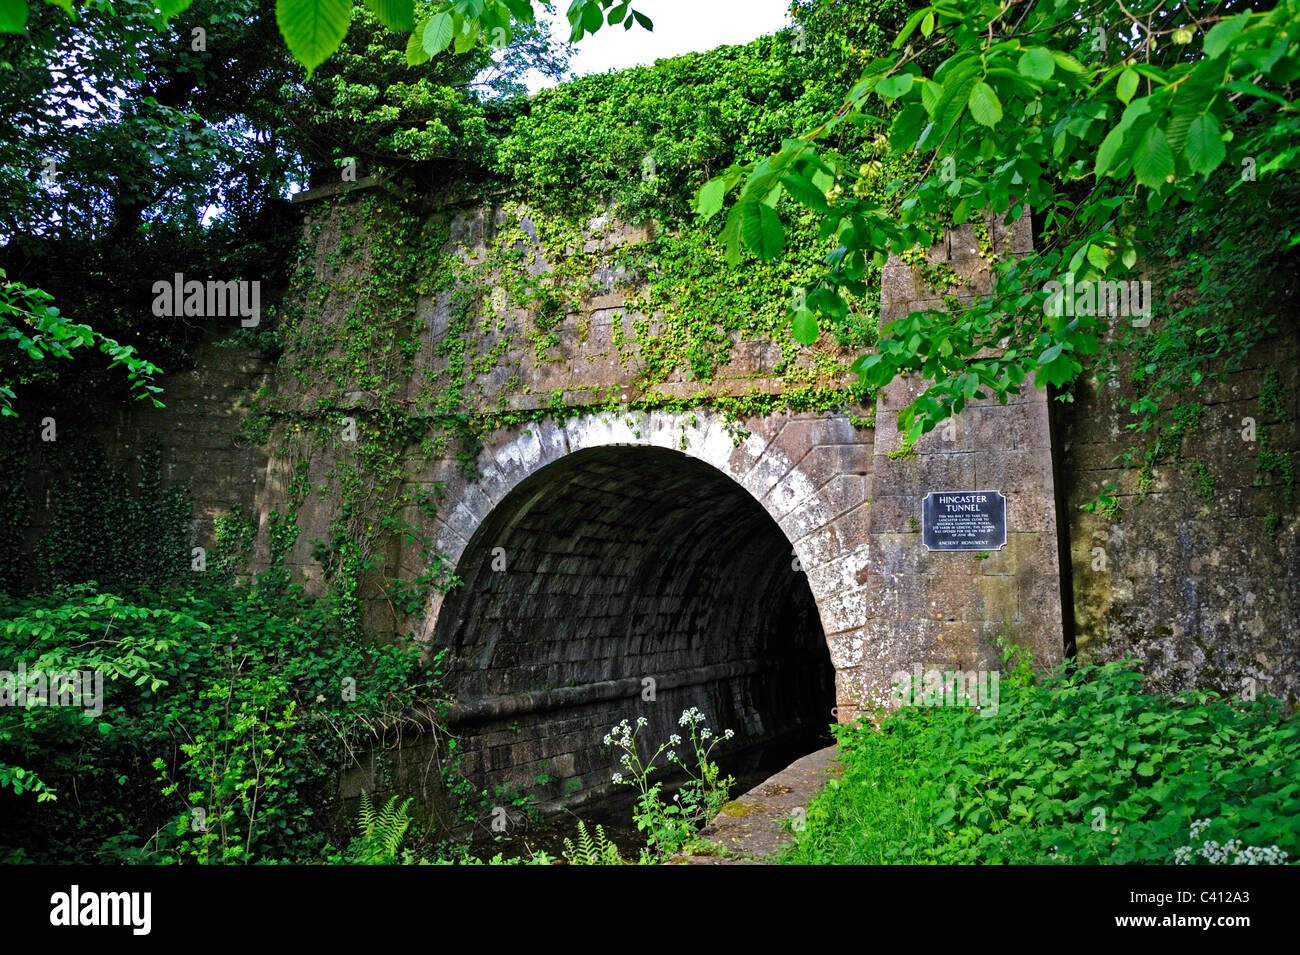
column 227, row 715
column 1081, row 767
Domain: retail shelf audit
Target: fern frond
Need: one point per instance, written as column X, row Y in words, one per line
column 382, row 832
column 597, row 850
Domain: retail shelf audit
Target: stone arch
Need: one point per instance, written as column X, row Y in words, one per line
column 747, row 504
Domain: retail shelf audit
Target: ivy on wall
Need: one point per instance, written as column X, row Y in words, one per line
column 103, row 529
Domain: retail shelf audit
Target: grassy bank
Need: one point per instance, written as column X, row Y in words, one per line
column 1079, row 767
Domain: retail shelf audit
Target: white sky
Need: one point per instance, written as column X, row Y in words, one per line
column 681, row 26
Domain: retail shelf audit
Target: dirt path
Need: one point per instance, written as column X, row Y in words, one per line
column 752, row 828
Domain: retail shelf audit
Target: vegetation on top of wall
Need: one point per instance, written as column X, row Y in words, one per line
column 632, row 146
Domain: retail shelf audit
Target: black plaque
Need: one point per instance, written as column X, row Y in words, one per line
column 964, row 520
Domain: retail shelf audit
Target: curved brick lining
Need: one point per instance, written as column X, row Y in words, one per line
column 610, row 567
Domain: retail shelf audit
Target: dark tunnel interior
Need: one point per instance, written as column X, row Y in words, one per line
column 630, row 581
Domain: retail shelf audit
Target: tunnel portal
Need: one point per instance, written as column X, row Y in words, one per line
column 626, row 581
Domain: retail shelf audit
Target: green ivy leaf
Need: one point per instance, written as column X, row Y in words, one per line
column 313, row 29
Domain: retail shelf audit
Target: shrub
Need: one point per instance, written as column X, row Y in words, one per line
column 1083, row 768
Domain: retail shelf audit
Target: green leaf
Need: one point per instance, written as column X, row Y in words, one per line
column 415, row 51
column 169, row 8
column 806, row 193
column 437, row 34
column 892, row 87
column 66, row 6
column 1057, row 372
column 912, row 23
column 1204, row 149
column 397, row 15
column 313, row 29
column 984, row 106
column 955, row 97
column 1037, row 63
column 731, row 236
column 710, row 198
column 13, row 16
column 1120, row 143
column 907, row 125
column 1243, row 86
column 931, row 93
column 1224, row 32
column 762, row 231
column 1097, row 256
column 1050, row 354
column 804, row 327
column 1068, row 63
column 1153, row 162
column 1127, row 85
column 522, row 10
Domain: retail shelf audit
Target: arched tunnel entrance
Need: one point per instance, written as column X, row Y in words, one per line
column 613, row 572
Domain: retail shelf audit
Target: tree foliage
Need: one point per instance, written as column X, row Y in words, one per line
column 1096, row 124
column 1097, row 119
column 136, row 148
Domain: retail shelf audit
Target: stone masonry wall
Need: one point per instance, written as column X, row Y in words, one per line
column 1195, row 573
column 201, row 433
column 944, row 610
